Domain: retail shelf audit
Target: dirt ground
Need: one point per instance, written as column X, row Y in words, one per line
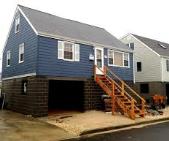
column 17, row 127
column 76, row 123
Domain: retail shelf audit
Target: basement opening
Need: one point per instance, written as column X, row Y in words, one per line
column 65, row 96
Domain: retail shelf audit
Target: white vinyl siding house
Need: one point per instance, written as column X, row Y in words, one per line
column 150, row 61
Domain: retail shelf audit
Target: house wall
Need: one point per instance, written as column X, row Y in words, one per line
column 165, row 73
column 151, row 62
column 50, row 65
column 35, row 102
column 125, row 73
column 26, row 35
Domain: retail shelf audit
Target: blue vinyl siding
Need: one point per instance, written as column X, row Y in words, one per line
column 25, row 35
column 123, row 72
column 50, row 65
column 40, row 57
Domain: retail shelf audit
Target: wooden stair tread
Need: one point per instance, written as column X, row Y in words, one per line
column 123, row 102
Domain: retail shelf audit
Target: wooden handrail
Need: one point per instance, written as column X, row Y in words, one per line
column 124, row 90
column 115, row 83
column 106, row 68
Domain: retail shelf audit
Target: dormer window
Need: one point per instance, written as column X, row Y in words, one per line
column 17, row 23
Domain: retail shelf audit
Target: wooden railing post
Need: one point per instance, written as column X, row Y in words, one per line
column 142, row 108
column 132, row 112
column 113, row 98
column 122, row 86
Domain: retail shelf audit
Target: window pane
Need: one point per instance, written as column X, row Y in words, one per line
column 126, row 59
column 110, row 57
column 167, row 65
column 68, row 55
column 118, row 58
column 8, row 57
column 21, row 57
column 139, row 67
column 68, row 51
column 132, row 46
column 144, row 88
column 99, row 58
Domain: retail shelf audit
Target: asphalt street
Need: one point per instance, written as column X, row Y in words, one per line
column 158, row 132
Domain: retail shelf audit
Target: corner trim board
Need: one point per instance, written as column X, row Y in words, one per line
column 19, row 76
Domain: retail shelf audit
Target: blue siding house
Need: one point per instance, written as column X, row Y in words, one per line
column 48, row 63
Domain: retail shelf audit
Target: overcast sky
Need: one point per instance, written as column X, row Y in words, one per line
column 148, row 18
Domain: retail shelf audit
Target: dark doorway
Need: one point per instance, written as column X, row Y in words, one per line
column 167, row 93
column 65, row 95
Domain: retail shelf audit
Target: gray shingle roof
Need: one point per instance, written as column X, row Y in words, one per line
column 53, row 25
column 159, row 47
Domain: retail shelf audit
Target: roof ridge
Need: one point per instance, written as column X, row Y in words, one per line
column 61, row 17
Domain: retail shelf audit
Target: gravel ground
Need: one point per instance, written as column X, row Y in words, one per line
column 77, row 123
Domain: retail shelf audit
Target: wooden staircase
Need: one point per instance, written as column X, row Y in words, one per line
column 123, row 98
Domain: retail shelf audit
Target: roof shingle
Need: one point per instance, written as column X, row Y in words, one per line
column 159, row 47
column 54, row 25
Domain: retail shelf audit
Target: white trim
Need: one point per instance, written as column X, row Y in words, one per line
column 73, row 51
column 17, row 22
column 134, row 73
column 21, row 51
column 10, row 29
column 122, row 58
column 95, row 58
column 19, row 76
column 8, row 58
column 28, row 20
column 13, row 20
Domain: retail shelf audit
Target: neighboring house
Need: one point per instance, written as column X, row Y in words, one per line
column 48, row 63
column 151, row 63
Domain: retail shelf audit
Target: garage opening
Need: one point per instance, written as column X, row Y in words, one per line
column 65, row 95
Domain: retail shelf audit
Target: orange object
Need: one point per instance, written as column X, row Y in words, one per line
column 159, row 99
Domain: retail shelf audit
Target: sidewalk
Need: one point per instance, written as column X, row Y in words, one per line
column 17, row 127
column 97, row 121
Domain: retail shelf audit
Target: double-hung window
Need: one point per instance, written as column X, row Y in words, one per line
column 126, row 59
column 8, row 58
column 68, row 51
column 110, row 57
column 21, row 53
column 17, row 23
column 117, row 58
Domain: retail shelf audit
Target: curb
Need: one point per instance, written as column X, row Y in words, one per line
column 120, row 127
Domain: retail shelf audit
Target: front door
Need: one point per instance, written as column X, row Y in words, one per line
column 167, row 93
column 99, row 60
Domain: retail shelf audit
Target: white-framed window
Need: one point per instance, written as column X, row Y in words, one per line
column 21, row 53
column 167, row 65
column 118, row 58
column 17, row 23
column 126, row 59
column 131, row 45
column 8, row 58
column 68, row 51
column 110, row 57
